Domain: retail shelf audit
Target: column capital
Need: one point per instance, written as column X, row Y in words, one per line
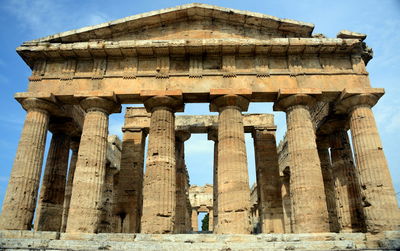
column 229, row 100
column 100, row 104
column 263, row 130
column 40, row 104
column 285, row 103
column 332, row 124
column 323, row 141
column 74, row 144
column 346, row 105
column 182, row 135
column 166, row 102
column 212, row 134
column 67, row 127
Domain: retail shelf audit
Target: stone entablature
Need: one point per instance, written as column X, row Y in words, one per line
column 139, row 118
column 201, row 196
column 196, row 59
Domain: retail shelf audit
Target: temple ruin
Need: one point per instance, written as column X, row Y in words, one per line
column 314, row 182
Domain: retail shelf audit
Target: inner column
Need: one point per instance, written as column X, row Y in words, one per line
column 159, row 190
column 233, row 180
column 268, row 181
column 50, row 207
column 181, row 180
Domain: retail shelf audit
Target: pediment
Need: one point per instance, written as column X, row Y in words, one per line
column 190, row 21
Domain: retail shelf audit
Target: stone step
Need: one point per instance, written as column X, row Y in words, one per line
column 27, row 240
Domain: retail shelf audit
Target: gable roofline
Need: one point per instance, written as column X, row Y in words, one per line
column 103, row 30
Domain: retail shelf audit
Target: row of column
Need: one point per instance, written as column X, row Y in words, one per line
column 308, row 191
column 313, row 173
column 84, row 200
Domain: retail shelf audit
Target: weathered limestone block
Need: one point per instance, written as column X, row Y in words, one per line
column 348, row 199
column 181, row 181
column 233, row 181
column 213, row 135
column 329, row 184
column 85, row 208
column 20, row 199
column 159, row 189
column 378, row 196
column 74, row 146
column 51, row 201
column 129, row 202
column 309, row 212
column 268, row 181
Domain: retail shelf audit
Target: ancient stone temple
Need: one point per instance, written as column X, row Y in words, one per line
column 317, row 191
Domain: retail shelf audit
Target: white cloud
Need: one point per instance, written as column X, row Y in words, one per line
column 387, row 115
column 46, row 17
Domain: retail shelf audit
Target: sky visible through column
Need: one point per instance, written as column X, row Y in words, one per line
column 23, row 20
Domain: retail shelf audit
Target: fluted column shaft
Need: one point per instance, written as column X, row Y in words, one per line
column 188, row 211
column 129, row 203
column 268, row 182
column 378, row 196
column 87, row 190
column 159, row 190
column 20, row 199
column 329, row 184
column 50, row 207
column 210, row 220
column 181, row 180
column 106, row 217
column 348, row 198
column 68, row 188
column 233, row 181
column 195, row 223
column 306, row 182
column 287, row 205
column 213, row 135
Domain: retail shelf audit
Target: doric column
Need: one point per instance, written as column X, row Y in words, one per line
column 268, row 182
column 188, row 211
column 20, row 199
column 210, row 219
column 180, row 219
column 306, row 183
column 233, row 181
column 348, row 198
column 129, row 196
column 195, row 223
column 51, row 200
column 213, row 135
column 74, row 145
column 159, row 189
column 329, row 184
column 287, row 203
column 85, row 208
column 106, row 216
column 378, row 196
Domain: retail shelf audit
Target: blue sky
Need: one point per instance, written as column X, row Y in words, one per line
column 24, row 20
